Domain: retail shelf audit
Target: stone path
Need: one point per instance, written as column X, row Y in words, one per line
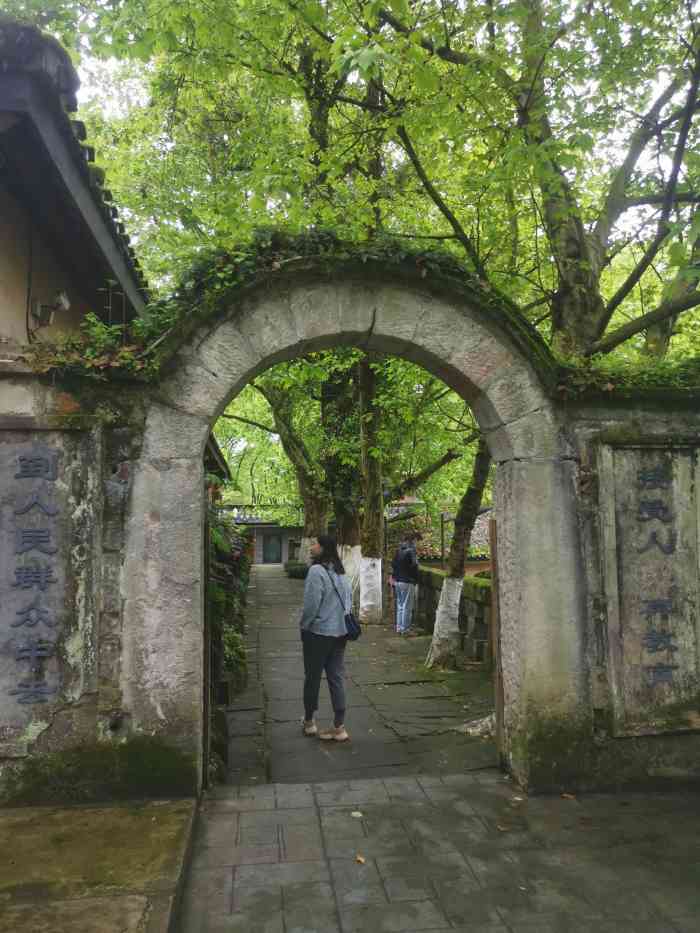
column 460, row 852
column 400, row 718
column 454, row 847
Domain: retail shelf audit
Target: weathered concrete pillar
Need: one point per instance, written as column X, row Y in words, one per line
column 162, row 583
column 543, row 620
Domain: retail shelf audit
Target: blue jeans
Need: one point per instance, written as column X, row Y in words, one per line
column 404, row 593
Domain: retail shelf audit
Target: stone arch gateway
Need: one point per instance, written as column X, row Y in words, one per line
column 460, row 335
column 597, row 500
column 101, row 494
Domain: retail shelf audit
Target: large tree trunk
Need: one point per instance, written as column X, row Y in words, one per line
column 308, row 474
column 445, row 647
column 372, row 531
column 348, row 536
column 339, row 415
column 577, row 306
column 315, row 523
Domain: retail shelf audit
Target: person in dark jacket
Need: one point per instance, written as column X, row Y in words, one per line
column 404, row 578
column 327, row 598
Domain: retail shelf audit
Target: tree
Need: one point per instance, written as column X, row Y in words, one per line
column 445, row 645
column 372, row 531
column 554, row 146
column 312, row 490
column 355, row 433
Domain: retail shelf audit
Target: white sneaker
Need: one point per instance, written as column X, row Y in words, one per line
column 335, row 734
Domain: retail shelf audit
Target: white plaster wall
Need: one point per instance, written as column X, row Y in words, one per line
column 47, row 277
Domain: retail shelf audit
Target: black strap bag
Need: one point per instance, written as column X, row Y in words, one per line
column 352, row 626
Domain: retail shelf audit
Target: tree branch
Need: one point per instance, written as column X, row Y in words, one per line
column 437, row 199
column 255, row 424
column 606, row 344
column 445, row 52
column 663, row 229
column 362, row 104
column 414, row 482
column 680, row 197
column 615, row 200
column 427, row 236
column 292, row 443
column 319, row 32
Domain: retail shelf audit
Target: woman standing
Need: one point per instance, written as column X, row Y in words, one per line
column 327, row 597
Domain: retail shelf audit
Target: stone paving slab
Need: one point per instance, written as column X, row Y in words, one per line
column 399, row 716
column 406, row 854
column 410, row 827
column 93, row 869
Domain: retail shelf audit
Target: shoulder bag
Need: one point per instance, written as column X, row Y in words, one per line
column 352, row 626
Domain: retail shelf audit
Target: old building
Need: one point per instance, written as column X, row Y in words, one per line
column 63, row 249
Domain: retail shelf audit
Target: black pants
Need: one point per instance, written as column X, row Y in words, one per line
column 324, row 653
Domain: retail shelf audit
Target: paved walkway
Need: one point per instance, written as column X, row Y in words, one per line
column 403, row 831
column 401, row 718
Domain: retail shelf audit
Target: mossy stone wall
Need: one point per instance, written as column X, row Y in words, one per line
column 474, row 610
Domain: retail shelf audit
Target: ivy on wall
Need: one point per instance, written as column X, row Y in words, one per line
column 137, row 352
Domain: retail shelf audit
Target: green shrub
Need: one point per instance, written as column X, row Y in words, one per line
column 296, row 569
column 235, row 656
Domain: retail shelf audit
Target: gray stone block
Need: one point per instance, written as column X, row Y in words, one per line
column 252, row 877
column 356, row 883
column 230, row 855
column 432, row 863
column 315, row 310
column 394, row 918
column 301, row 844
column 269, row 326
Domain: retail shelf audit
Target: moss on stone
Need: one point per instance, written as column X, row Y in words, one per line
column 74, row 852
column 477, row 588
column 218, row 281
column 677, row 716
column 551, row 753
column 606, row 379
column 141, row 766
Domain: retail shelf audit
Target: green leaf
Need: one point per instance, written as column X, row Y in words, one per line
column 677, row 254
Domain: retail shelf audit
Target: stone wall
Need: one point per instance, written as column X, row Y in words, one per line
column 474, row 610
column 67, row 654
column 596, row 507
column 639, row 513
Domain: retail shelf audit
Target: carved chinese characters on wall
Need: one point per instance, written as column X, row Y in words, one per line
column 47, row 579
column 33, row 578
column 649, row 507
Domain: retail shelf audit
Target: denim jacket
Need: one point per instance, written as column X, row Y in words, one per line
column 322, row 612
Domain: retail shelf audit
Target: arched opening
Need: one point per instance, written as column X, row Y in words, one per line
column 460, row 336
column 371, row 449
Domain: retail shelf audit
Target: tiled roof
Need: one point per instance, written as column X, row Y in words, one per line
column 25, row 50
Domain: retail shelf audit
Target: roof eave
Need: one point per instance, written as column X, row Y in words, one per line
column 23, row 93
